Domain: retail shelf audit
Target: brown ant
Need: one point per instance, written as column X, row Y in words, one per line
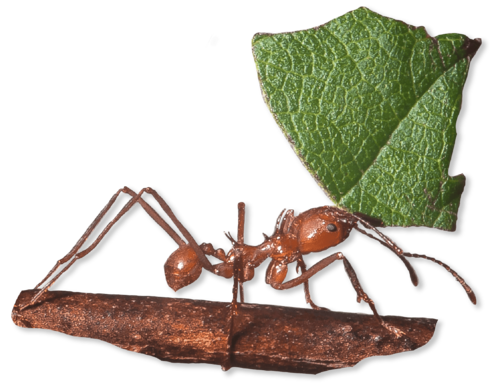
column 315, row 230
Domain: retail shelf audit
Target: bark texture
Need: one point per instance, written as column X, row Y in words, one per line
column 196, row 331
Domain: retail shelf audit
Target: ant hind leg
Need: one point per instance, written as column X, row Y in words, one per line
column 201, row 256
column 73, row 254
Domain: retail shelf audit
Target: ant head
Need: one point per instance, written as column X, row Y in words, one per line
column 321, row 228
column 182, row 267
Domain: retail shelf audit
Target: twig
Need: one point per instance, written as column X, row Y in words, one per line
column 196, row 331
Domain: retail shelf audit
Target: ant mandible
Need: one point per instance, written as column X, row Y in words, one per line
column 315, row 230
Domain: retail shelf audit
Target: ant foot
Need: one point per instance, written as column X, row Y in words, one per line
column 318, row 308
column 394, row 330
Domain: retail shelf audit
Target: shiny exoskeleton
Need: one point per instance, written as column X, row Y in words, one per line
column 312, row 231
column 295, row 236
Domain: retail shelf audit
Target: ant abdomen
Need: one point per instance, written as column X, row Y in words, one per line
column 182, row 267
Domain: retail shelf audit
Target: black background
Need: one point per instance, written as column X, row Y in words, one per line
column 103, row 98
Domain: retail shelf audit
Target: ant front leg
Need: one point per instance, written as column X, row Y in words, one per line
column 361, row 295
column 301, row 264
column 278, row 284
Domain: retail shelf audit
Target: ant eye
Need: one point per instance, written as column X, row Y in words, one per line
column 331, row 227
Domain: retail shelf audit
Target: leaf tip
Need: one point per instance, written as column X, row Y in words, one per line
column 471, row 46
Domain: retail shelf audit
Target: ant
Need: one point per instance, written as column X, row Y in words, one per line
column 314, row 230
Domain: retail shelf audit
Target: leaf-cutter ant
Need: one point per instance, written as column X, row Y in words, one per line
column 314, row 230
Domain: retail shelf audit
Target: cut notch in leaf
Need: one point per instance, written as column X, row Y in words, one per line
column 369, row 105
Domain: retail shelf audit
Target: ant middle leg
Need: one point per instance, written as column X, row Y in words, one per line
column 237, row 286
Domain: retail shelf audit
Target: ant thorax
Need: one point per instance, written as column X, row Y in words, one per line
column 281, row 247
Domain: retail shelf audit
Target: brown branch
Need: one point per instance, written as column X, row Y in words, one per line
column 195, row 331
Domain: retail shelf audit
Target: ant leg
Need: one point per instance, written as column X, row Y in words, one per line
column 352, row 276
column 361, row 295
column 309, row 273
column 467, row 288
column 73, row 254
column 240, row 239
column 240, row 222
column 97, row 220
column 237, row 283
column 223, row 269
column 83, row 238
column 201, row 256
column 301, row 264
column 234, row 304
column 313, row 270
column 241, row 292
column 155, row 216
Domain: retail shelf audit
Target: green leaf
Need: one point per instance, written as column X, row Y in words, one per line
column 369, row 105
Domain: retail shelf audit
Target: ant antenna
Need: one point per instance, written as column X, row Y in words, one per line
column 387, row 242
